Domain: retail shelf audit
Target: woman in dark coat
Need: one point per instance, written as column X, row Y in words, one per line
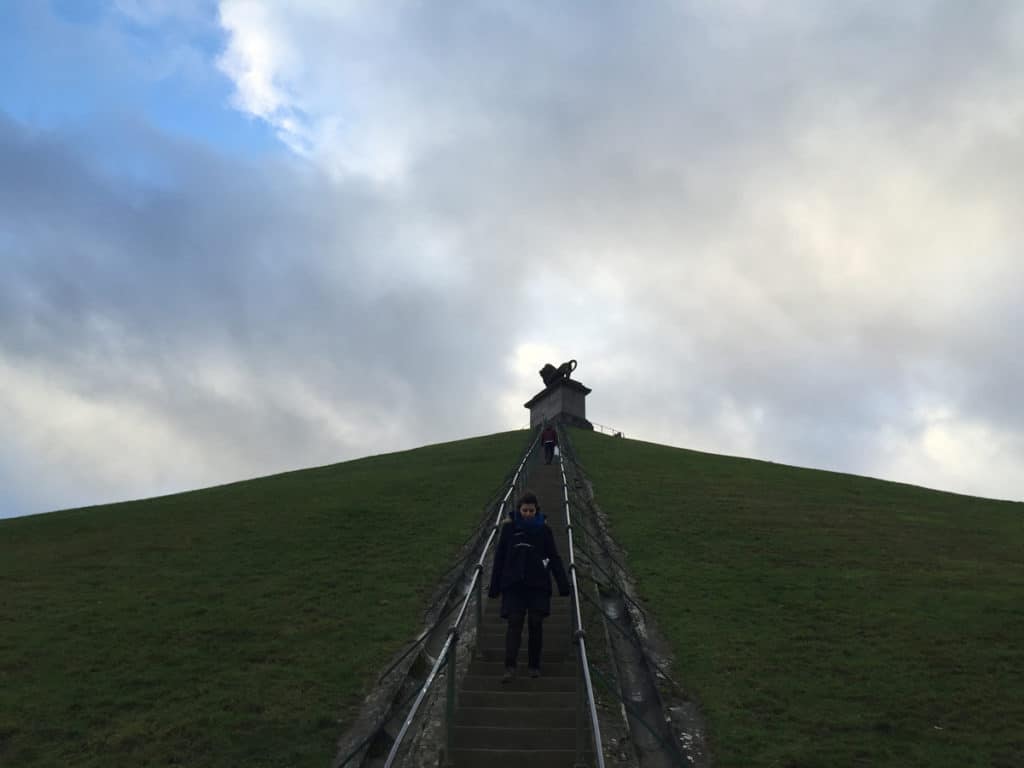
column 525, row 561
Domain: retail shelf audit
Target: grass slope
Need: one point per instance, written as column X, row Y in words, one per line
column 229, row 626
column 825, row 619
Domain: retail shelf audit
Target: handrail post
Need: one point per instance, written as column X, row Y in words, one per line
column 450, row 700
column 479, row 599
column 581, row 702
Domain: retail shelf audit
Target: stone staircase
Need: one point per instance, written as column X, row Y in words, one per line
column 528, row 723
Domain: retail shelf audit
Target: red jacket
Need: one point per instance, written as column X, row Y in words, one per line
column 549, row 435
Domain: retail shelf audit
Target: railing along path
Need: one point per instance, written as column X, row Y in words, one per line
column 447, row 654
column 580, row 636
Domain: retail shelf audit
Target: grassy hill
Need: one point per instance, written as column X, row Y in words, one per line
column 229, row 626
column 824, row 619
column 821, row 619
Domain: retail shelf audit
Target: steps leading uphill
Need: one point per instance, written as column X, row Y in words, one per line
column 527, row 722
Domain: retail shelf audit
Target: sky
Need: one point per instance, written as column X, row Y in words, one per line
column 242, row 237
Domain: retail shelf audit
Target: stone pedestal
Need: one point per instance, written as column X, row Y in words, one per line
column 564, row 402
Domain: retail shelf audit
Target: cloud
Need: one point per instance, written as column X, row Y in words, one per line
column 789, row 233
column 235, row 321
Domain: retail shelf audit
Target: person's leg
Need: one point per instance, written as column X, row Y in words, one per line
column 513, row 637
column 536, row 640
column 549, row 452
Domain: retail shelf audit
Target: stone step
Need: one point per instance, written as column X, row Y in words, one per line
column 548, row 655
column 512, row 737
column 517, row 758
column 555, row 632
column 555, row 629
column 563, row 668
column 552, row 640
column 552, row 636
column 522, row 682
column 556, row 717
column 560, row 606
column 559, row 621
column 510, row 697
column 561, row 610
column 552, row 625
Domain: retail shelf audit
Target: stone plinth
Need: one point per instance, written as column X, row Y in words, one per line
column 564, row 402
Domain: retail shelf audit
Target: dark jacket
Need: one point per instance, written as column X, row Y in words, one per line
column 549, row 435
column 520, row 560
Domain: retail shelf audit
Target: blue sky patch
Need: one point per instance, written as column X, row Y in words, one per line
column 68, row 65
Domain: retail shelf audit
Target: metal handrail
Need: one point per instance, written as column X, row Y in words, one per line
column 470, row 545
column 453, row 631
column 603, row 428
column 669, row 745
column 580, row 633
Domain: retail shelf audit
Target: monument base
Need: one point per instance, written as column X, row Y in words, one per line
column 562, row 402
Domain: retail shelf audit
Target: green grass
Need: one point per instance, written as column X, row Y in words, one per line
column 230, row 626
column 825, row 619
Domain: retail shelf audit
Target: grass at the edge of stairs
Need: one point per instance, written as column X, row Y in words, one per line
column 236, row 625
column 825, row 619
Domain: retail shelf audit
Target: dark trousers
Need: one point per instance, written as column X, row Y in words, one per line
column 514, row 636
column 549, row 452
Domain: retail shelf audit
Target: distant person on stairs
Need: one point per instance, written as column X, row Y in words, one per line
column 524, row 563
column 549, row 439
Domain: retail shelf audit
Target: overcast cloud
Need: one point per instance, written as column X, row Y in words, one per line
column 786, row 232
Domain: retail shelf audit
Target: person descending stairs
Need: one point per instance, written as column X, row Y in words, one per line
column 525, row 561
column 504, row 721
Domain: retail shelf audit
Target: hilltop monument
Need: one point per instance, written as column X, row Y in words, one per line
column 563, row 399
